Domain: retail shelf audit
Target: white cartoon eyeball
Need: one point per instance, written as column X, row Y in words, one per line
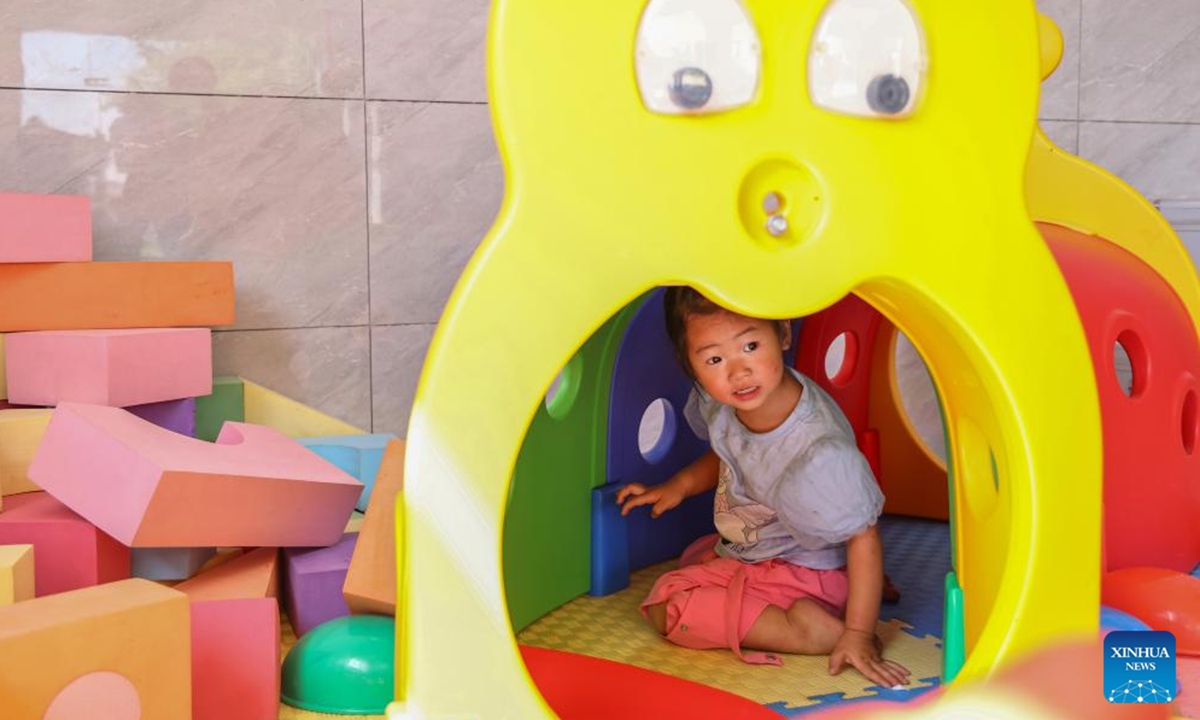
column 867, row 58
column 696, row 56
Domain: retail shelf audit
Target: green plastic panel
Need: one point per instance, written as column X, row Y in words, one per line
column 953, row 635
column 547, row 525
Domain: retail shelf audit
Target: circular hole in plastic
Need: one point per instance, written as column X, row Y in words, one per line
column 918, row 397
column 656, row 431
column 772, row 203
column 564, row 388
column 1123, row 368
column 1189, row 425
column 841, row 357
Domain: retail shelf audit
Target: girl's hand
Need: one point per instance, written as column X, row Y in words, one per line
column 662, row 497
column 862, row 650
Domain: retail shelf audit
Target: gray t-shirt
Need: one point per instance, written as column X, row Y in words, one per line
column 798, row 492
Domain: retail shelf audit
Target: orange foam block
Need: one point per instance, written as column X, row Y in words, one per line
column 370, row 585
column 45, row 228
column 252, row 575
column 77, row 296
column 109, row 367
column 150, row 487
column 71, row 552
column 235, row 638
column 16, row 573
column 121, row 650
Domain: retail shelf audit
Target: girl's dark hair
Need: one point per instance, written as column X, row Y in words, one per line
column 681, row 302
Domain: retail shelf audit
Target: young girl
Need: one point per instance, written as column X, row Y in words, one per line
column 796, row 504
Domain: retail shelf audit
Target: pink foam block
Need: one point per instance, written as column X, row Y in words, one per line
column 235, row 659
column 109, row 367
column 150, row 487
column 45, row 228
column 69, row 552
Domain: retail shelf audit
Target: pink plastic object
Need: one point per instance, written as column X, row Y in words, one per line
column 68, row 552
column 45, row 228
column 150, row 487
column 108, row 367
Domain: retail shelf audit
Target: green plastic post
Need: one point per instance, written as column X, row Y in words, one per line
column 953, row 637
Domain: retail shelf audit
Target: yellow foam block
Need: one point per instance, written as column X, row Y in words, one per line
column 16, row 573
column 20, row 432
column 292, row 418
column 122, row 646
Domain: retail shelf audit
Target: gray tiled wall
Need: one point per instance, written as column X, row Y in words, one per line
column 340, row 153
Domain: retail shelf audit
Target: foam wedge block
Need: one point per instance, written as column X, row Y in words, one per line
column 253, row 487
column 168, row 563
column 109, row 367
column 45, row 228
column 315, row 577
column 178, row 416
column 355, row 523
column 16, row 573
column 77, row 296
column 21, row 431
column 224, row 404
column 370, row 585
column 71, row 552
column 235, row 659
column 117, row 650
column 358, row 455
column 292, row 418
column 250, row 575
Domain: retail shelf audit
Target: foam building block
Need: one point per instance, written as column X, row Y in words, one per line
column 109, row 367
column 358, row 455
column 252, row 488
column 78, row 296
column 355, row 523
column 168, row 563
column 16, row 573
column 292, row 418
column 71, row 552
column 21, row 432
column 249, row 575
column 235, row 638
column 235, row 659
column 121, row 650
column 315, row 576
column 226, row 403
column 178, row 416
column 3, row 363
column 45, row 228
column 370, row 585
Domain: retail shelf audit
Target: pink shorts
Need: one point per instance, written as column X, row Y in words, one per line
column 713, row 601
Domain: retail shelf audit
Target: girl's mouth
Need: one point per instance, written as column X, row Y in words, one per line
column 746, row 393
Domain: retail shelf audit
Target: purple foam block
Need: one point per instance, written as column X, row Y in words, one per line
column 174, row 415
column 313, row 589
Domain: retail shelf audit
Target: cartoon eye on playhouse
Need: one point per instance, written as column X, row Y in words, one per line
column 1139, row 667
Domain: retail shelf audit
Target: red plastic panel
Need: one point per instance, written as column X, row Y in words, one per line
column 851, row 386
column 1151, row 467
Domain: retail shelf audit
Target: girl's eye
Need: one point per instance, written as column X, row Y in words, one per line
column 752, row 346
column 712, row 361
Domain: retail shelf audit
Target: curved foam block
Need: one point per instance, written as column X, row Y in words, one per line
column 76, row 296
column 136, row 629
column 149, row 487
column 109, row 367
column 36, row 228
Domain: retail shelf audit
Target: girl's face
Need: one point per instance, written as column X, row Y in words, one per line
column 738, row 360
